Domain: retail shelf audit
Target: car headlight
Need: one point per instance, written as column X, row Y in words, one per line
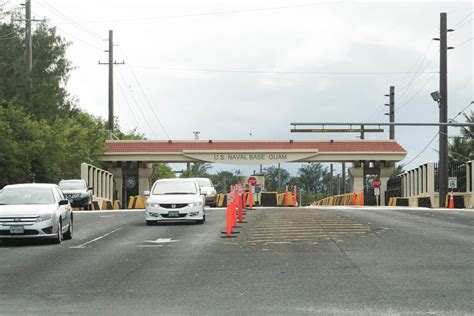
column 195, row 204
column 43, row 218
column 152, row 204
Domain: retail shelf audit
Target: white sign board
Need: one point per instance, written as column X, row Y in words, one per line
column 453, row 183
column 376, row 191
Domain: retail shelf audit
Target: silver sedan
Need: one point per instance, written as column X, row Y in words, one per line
column 35, row 211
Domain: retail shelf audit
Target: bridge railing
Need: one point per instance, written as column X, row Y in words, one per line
column 100, row 180
column 356, row 198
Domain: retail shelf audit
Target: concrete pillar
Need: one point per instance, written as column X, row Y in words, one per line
column 357, row 175
column 385, row 174
column 430, row 183
column 118, row 176
column 144, row 176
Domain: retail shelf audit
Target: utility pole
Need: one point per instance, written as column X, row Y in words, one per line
column 343, row 178
column 28, row 42
column 443, row 109
column 111, row 64
column 391, row 111
column 279, row 178
column 362, row 134
column 331, row 192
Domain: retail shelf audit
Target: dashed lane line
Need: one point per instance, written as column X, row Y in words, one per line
column 81, row 246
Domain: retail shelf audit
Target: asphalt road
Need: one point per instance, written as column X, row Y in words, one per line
column 283, row 262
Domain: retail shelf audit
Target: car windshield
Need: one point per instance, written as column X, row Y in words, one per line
column 204, row 182
column 72, row 185
column 174, row 187
column 26, row 195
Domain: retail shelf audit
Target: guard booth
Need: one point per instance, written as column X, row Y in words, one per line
column 258, row 188
column 131, row 161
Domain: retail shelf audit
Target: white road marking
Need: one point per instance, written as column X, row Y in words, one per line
column 107, row 216
column 149, row 246
column 161, row 240
column 95, row 239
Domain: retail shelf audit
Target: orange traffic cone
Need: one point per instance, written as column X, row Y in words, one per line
column 451, row 201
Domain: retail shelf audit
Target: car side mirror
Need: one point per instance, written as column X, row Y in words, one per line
column 146, row 193
column 63, row 202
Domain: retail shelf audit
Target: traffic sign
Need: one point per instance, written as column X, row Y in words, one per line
column 453, row 183
column 376, row 183
column 252, row 181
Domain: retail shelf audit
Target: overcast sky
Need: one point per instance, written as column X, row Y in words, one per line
column 246, row 69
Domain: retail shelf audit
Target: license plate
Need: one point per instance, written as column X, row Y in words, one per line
column 173, row 214
column 17, row 230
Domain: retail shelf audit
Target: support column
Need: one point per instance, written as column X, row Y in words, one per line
column 145, row 172
column 430, row 183
column 385, row 173
column 118, row 176
column 357, row 175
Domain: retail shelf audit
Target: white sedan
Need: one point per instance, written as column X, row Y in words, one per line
column 35, row 211
column 175, row 200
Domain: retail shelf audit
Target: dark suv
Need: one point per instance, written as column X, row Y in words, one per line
column 77, row 193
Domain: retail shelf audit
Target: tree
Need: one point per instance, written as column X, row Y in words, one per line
column 197, row 170
column 276, row 178
column 222, row 180
column 461, row 148
column 162, row 171
column 314, row 177
column 42, row 93
column 44, row 137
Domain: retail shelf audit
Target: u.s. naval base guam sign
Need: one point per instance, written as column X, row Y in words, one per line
column 250, row 158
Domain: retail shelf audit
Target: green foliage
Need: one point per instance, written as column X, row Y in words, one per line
column 44, row 137
column 276, row 178
column 41, row 94
column 162, row 171
column 197, row 170
column 461, row 149
column 314, row 177
column 222, row 180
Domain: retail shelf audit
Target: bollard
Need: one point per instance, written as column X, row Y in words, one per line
column 239, row 208
column 295, row 191
column 229, row 221
column 251, row 198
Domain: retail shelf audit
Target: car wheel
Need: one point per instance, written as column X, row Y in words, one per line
column 68, row 234
column 201, row 221
column 59, row 237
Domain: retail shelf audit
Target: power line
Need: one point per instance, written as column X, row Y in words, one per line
column 465, row 42
column 464, row 109
column 76, row 37
column 144, row 94
column 418, row 70
column 214, row 13
column 67, row 18
column 423, row 150
column 271, row 72
column 464, row 24
column 138, row 106
column 129, row 106
column 462, row 20
column 416, row 93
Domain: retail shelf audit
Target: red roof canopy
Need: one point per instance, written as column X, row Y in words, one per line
column 357, row 146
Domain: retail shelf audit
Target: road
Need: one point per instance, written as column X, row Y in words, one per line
column 283, row 262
